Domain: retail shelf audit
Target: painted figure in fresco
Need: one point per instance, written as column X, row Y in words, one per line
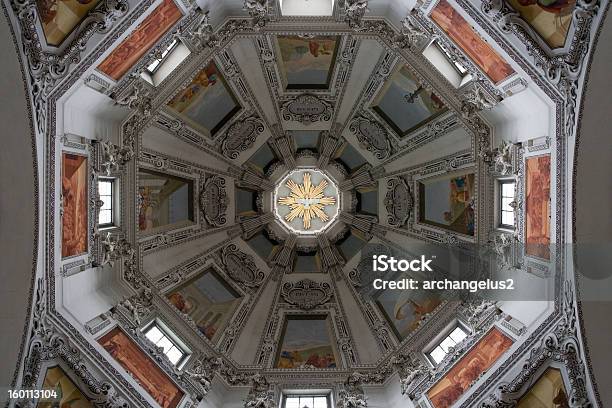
column 180, row 302
column 203, row 80
column 461, row 203
column 317, row 48
column 560, row 399
column 553, row 6
column 74, row 205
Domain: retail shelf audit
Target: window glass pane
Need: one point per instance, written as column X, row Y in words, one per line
column 105, row 188
column 107, row 203
column 165, row 343
column 437, row 354
column 292, row 402
column 154, row 334
column 446, row 343
column 505, row 204
column 458, row 335
column 153, row 65
column 174, row 355
column 106, row 217
column 507, row 218
column 320, row 402
column 507, row 189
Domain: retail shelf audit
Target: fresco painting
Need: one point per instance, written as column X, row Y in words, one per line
column 464, row 35
column 551, row 19
column 137, row 44
column 306, row 343
column 208, row 300
column 163, row 200
column 68, row 394
column 75, row 203
column 476, row 362
column 206, row 103
column 548, row 392
column 307, row 63
column 448, row 203
column 405, row 104
column 60, row 17
column 537, row 197
column 141, row 368
column 404, row 309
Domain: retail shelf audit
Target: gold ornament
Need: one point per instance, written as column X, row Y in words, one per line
column 306, row 201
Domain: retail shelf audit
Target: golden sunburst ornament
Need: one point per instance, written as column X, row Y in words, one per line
column 306, row 201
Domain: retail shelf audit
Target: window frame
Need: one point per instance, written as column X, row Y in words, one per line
column 500, row 197
column 288, row 395
column 438, row 343
column 173, row 338
column 112, row 196
column 461, row 70
column 164, row 55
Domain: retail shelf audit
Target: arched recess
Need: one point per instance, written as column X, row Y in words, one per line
column 593, row 212
column 18, row 206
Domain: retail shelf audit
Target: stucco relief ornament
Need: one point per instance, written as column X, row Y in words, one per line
column 138, row 98
column 412, row 35
column 203, row 371
column 200, row 35
column 372, row 136
column 241, row 135
column 135, row 308
column 258, row 9
column 352, row 395
column 502, row 158
column 355, row 10
column 306, row 109
column 398, row 202
column 114, row 248
column 261, row 395
column 476, row 99
column 240, row 267
column 306, row 294
column 213, row 201
column 410, row 369
column 307, row 201
column 114, row 157
column 47, row 68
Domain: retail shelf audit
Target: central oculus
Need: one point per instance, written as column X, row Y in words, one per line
column 306, row 201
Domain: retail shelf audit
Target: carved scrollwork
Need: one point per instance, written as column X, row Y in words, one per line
column 201, row 34
column 261, row 394
column 477, row 98
column 213, row 201
column 47, row 68
column 114, row 157
column 48, row 344
column 372, row 136
column 240, row 267
column 398, row 202
column 562, row 346
column 306, row 294
column 306, row 109
column 411, row 371
column 259, row 10
column 241, row 135
column 355, row 10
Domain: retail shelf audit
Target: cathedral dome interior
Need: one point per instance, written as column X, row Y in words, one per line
column 202, row 198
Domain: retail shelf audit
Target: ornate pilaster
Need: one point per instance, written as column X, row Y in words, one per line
column 252, row 225
column 246, row 177
column 366, row 176
column 367, row 224
column 330, row 142
column 281, row 263
column 282, row 143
